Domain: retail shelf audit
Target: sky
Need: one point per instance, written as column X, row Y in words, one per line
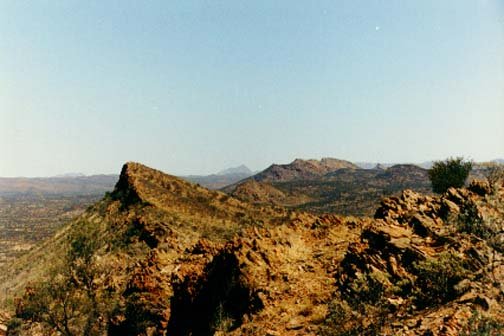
column 192, row 87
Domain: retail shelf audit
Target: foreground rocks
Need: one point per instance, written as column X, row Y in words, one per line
column 414, row 262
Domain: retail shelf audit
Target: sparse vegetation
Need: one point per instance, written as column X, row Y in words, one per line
column 494, row 175
column 14, row 326
column 342, row 321
column 69, row 301
column 481, row 325
column 28, row 219
column 338, row 320
column 368, row 289
column 437, row 277
column 470, row 221
column 452, row 172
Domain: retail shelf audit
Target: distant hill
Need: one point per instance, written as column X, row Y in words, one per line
column 300, row 169
column 240, row 170
column 221, row 179
column 65, row 185
column 347, row 191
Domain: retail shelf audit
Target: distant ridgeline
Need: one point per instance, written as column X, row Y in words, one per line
column 329, row 185
column 221, row 179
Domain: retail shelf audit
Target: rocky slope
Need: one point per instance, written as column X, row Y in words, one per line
column 172, row 258
column 431, row 261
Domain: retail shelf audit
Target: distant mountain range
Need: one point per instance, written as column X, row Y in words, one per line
column 80, row 184
column 329, row 185
column 425, row 164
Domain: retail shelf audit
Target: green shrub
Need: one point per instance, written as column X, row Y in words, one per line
column 14, row 326
column 436, row 278
column 367, row 288
column 479, row 325
column 69, row 300
column 494, row 175
column 470, row 221
column 452, row 172
column 341, row 321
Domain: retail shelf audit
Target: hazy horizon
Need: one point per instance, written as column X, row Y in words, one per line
column 195, row 87
column 72, row 174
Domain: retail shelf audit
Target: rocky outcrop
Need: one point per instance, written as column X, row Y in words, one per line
column 126, row 188
column 274, row 281
column 4, row 318
column 414, row 261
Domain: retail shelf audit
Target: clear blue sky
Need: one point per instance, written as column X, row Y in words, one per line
column 197, row 86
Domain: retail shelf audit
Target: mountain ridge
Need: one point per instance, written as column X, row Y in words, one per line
column 301, row 169
column 348, row 191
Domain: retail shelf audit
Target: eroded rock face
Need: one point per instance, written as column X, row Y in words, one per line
column 219, row 298
column 266, row 280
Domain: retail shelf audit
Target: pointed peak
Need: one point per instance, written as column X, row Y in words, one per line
column 141, row 184
column 125, row 190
